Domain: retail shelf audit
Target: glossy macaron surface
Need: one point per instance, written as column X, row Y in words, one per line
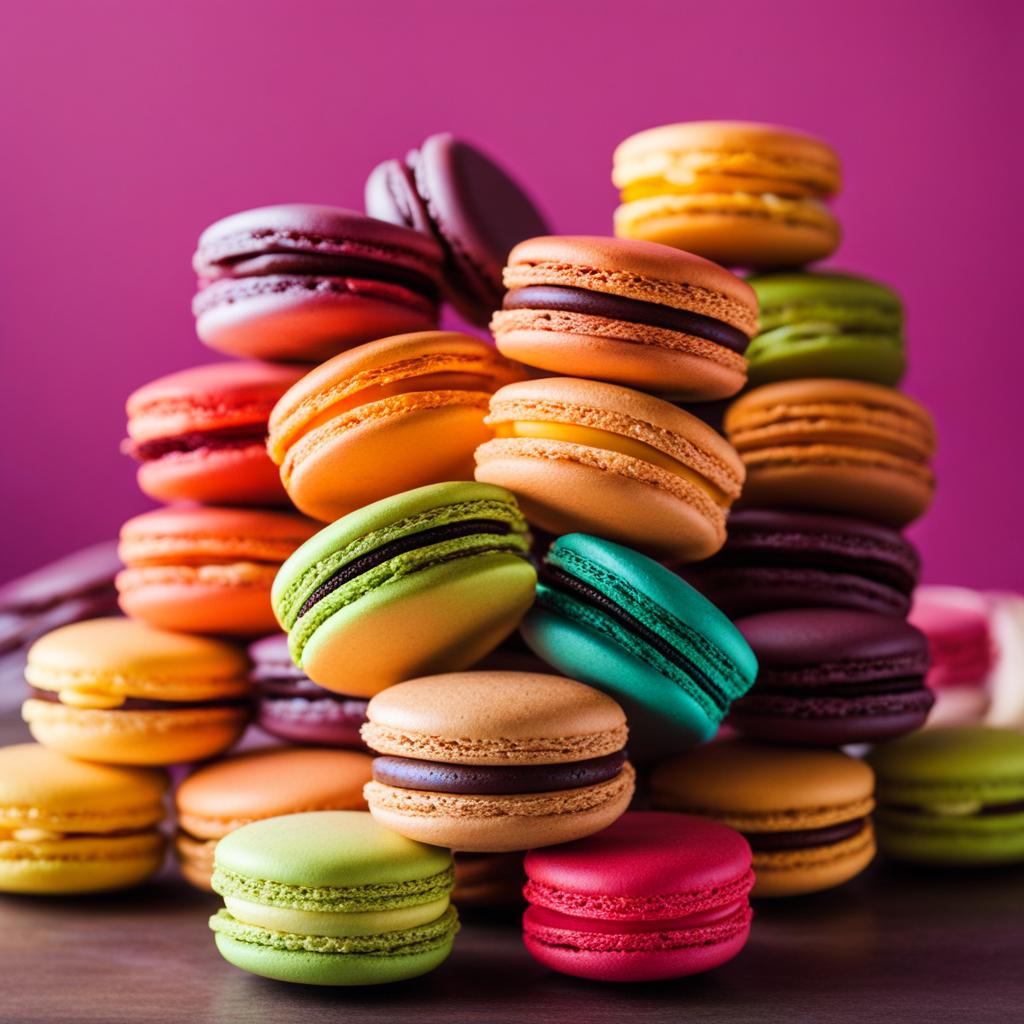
column 383, row 418
column 591, row 457
column 654, row 896
column 444, row 567
column 302, row 282
column 628, row 312
column 615, row 619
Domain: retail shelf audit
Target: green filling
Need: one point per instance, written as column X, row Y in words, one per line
column 334, row 899
column 408, row 942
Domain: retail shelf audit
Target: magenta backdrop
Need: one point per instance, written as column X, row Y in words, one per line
column 131, row 125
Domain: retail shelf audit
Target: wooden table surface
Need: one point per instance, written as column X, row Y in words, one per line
column 898, row 944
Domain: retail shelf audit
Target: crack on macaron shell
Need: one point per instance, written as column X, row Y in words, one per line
column 674, row 294
column 295, row 595
column 408, row 942
column 606, row 907
column 551, row 803
column 338, row 899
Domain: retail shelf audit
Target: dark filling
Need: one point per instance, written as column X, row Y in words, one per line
column 221, row 437
column 634, row 311
column 144, row 704
column 559, row 579
column 401, row 546
column 803, row 838
column 776, row 687
column 985, row 811
column 320, row 265
column 409, row 773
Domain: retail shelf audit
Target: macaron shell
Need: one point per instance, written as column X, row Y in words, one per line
column 322, row 721
column 135, row 737
column 798, row 872
column 195, row 859
column 501, row 824
column 214, row 476
column 441, row 619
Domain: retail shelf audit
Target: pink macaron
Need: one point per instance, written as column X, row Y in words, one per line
column 653, row 896
column 956, row 622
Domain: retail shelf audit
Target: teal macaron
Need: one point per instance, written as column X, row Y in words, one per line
column 332, row 898
column 826, row 324
column 427, row 581
column 618, row 620
column 951, row 796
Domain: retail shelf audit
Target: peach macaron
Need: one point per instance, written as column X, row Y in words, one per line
column 201, row 569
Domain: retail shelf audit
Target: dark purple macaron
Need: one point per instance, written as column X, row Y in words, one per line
column 776, row 559
column 292, row 707
column 453, row 192
column 829, row 677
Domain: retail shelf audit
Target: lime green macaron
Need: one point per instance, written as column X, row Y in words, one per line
column 428, row 581
column 826, row 325
column 332, row 898
column 952, row 796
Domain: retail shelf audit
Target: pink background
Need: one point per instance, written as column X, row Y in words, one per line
column 130, row 126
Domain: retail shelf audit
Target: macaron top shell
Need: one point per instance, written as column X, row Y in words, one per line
column 196, row 534
column 306, row 228
column 954, row 769
column 217, row 396
column 343, row 850
column 639, row 270
column 832, row 645
column 41, row 789
column 220, row 797
column 761, row 787
column 431, row 360
column 647, row 863
column 495, row 718
column 103, row 661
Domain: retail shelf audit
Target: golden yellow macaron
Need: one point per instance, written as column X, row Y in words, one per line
column 68, row 826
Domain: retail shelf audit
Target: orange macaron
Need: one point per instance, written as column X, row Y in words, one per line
column 206, row 570
column 200, row 434
column 589, row 457
column 630, row 312
column 383, row 418
column 840, row 446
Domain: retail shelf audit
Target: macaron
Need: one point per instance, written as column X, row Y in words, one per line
column 224, row 795
column 832, row 676
column 591, row 457
column 778, row 558
column 1006, row 681
column 121, row 692
column 451, row 191
column 655, row 896
column 613, row 618
column 428, row 581
column 292, row 707
column 71, row 827
column 741, row 194
column 805, row 813
column 826, row 324
column 302, row 282
column 957, row 623
column 488, row 880
column 385, row 417
column 952, row 797
column 200, row 435
column 839, row 446
column 206, row 570
column 491, row 762
column 331, row 898
column 633, row 313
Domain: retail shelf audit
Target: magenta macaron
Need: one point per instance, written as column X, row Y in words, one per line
column 302, row 282
column 292, row 707
column 653, row 896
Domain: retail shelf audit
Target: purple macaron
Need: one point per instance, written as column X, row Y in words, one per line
column 449, row 190
column 829, row 677
column 776, row 559
column 292, row 707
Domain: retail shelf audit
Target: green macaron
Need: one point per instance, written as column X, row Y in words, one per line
column 618, row 620
column 952, row 796
column 826, row 325
column 332, row 898
column 428, row 581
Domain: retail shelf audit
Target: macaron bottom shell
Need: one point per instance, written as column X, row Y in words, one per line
column 812, row 869
column 234, row 475
column 323, row 721
column 947, row 841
